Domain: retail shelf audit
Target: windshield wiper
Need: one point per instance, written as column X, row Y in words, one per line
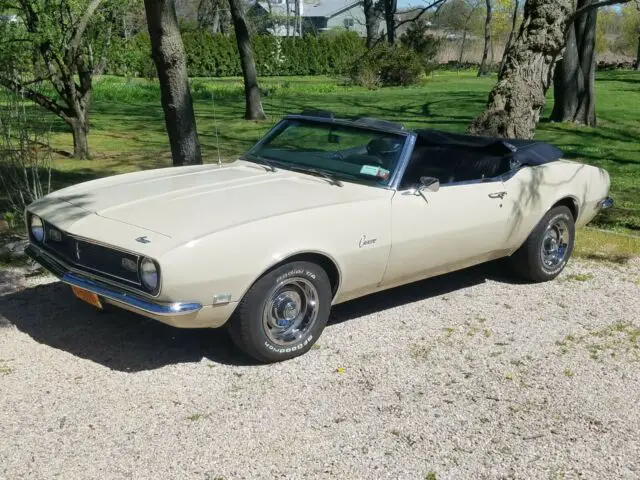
column 261, row 160
column 329, row 176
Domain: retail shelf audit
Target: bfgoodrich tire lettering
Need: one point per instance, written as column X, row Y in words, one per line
column 283, row 313
column 547, row 249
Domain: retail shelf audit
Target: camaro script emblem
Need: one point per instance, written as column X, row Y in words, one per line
column 143, row 240
column 364, row 241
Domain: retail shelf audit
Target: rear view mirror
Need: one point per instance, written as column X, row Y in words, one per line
column 430, row 184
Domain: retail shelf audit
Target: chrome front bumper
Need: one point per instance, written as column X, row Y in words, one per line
column 111, row 293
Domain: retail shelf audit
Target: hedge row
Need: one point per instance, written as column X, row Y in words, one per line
column 216, row 55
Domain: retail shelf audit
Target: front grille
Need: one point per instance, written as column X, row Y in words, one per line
column 92, row 257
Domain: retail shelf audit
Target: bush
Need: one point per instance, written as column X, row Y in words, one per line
column 216, row 55
column 422, row 43
column 25, row 154
column 131, row 57
column 388, row 66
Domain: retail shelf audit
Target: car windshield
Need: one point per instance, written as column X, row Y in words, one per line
column 339, row 152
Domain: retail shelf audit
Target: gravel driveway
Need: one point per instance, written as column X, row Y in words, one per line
column 464, row 376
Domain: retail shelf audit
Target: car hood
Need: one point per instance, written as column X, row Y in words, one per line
column 189, row 202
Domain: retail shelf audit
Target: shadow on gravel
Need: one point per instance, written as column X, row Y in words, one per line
column 122, row 341
column 421, row 290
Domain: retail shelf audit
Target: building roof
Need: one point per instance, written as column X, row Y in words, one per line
column 315, row 8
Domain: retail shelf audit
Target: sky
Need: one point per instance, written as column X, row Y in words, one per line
column 412, row 3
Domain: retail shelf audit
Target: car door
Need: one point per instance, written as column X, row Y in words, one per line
column 457, row 226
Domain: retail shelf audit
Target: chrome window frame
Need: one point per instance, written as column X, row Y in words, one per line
column 403, row 158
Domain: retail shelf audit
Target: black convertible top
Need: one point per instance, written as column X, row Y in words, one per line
column 524, row 152
column 515, row 151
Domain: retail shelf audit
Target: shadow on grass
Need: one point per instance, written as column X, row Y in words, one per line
column 126, row 342
column 625, row 76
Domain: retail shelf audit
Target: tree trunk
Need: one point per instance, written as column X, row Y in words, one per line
column 80, row 130
column 287, row 18
column 515, row 103
column 253, row 109
column 209, row 16
column 298, row 18
column 638, row 55
column 574, row 81
column 372, row 21
column 462, row 44
column 465, row 31
column 390, row 8
column 168, row 55
column 484, row 69
column 514, row 24
column 215, row 23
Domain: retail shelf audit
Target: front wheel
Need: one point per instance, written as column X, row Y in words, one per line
column 545, row 253
column 282, row 315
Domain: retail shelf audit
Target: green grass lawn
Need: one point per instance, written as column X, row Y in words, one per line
column 127, row 125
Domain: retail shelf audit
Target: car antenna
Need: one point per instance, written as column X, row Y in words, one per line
column 215, row 125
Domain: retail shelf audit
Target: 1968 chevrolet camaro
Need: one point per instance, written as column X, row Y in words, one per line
column 320, row 211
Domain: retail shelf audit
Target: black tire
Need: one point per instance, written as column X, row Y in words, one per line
column 249, row 327
column 528, row 261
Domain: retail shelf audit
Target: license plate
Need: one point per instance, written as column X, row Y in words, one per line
column 87, row 296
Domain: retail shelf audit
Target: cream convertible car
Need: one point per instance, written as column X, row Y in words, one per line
column 320, row 211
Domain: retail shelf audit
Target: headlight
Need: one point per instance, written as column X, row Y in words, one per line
column 37, row 228
column 149, row 275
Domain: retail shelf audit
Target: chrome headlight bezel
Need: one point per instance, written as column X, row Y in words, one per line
column 149, row 272
column 36, row 228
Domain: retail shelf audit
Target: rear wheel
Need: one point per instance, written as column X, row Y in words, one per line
column 283, row 313
column 546, row 252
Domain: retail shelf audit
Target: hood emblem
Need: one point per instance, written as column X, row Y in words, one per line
column 143, row 239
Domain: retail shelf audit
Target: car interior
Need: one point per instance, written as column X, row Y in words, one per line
column 383, row 152
column 450, row 164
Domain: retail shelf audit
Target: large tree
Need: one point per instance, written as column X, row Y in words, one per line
column 253, row 103
column 484, row 68
column 575, row 74
column 515, row 103
column 168, row 55
column 62, row 44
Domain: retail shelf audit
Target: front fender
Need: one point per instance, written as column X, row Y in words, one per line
column 228, row 262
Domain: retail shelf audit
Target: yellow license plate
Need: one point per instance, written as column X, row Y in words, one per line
column 87, row 296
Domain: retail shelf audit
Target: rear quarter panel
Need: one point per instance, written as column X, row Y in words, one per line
column 532, row 191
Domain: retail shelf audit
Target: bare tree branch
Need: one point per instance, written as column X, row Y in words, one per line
column 29, row 94
column 421, row 11
column 586, row 8
column 82, row 24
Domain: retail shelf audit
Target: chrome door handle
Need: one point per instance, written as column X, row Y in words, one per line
column 499, row 195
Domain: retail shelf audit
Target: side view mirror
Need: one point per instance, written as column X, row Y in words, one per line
column 429, row 184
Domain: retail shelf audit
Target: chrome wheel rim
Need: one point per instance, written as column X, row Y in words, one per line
column 290, row 311
column 555, row 243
